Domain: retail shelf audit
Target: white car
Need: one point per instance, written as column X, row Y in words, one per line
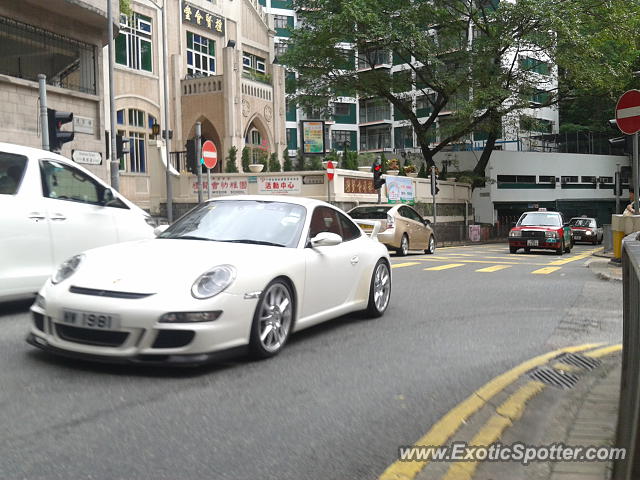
column 235, row 272
column 50, row 209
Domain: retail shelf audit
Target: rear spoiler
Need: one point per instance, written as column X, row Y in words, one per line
column 376, row 227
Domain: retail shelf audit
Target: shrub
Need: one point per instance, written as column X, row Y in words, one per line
column 274, row 163
column 246, row 159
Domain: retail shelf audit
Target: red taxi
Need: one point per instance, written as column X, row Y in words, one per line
column 541, row 230
column 586, row 229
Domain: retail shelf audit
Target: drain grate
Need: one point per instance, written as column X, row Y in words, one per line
column 579, row 360
column 555, row 378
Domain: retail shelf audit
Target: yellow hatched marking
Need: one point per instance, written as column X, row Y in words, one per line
column 546, row 270
column 445, row 267
column 495, row 268
column 575, row 257
column 604, row 351
column 462, row 254
column 406, row 264
column 478, row 261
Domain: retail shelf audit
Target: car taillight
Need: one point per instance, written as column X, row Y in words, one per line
column 390, row 222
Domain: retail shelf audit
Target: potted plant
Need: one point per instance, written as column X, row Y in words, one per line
column 410, row 170
column 259, row 162
column 394, row 167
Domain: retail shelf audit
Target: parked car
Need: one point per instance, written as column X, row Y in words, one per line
column 235, row 272
column 51, row 209
column 541, row 230
column 586, row 229
column 402, row 228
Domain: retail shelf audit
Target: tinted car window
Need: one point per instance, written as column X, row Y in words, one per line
column 324, row 219
column 349, row 230
column 63, row 182
column 412, row 214
column 372, row 213
column 12, row 169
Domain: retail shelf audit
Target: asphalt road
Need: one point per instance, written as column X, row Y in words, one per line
column 337, row 402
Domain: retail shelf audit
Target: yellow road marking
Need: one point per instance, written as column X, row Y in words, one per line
column 580, row 256
column 604, row 351
column 449, row 424
column 546, row 270
column 510, row 411
column 462, row 254
column 495, row 268
column 477, row 261
column 406, row 264
column 445, row 267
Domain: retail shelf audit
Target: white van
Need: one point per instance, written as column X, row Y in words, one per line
column 51, row 209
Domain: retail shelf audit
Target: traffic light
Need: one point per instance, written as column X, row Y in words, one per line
column 192, row 166
column 55, row 120
column 122, row 146
column 434, row 182
column 378, row 181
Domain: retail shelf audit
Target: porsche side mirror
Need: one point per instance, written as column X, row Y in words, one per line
column 326, row 239
column 159, row 229
column 108, row 197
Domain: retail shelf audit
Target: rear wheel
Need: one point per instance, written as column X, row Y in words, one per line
column 404, row 246
column 527, row 250
column 272, row 320
column 379, row 290
column 513, row 249
column 432, row 246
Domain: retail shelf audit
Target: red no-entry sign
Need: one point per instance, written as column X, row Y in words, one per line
column 330, row 170
column 628, row 112
column 209, row 154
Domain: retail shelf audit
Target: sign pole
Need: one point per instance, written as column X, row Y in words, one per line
column 635, row 174
column 330, row 173
column 617, row 185
column 208, row 183
column 198, row 157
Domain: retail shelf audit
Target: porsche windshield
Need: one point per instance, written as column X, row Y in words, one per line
column 242, row 221
column 540, row 219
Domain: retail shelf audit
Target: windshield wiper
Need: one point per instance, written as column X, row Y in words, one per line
column 190, row 237
column 254, row 242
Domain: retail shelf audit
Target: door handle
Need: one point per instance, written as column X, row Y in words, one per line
column 354, row 260
column 58, row 216
column 36, row 216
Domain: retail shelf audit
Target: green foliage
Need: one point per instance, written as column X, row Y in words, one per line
column 262, row 156
column 287, row 166
column 300, row 161
column 315, row 163
column 384, row 163
column 274, row 163
column 333, row 157
column 401, row 172
column 246, row 159
column 594, row 45
column 231, row 166
column 125, row 7
column 350, row 160
column 423, row 171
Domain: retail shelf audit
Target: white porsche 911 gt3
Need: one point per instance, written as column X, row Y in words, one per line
column 234, row 273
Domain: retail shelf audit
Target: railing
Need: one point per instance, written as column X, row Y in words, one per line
column 628, row 434
column 201, row 85
column 375, row 142
column 257, row 89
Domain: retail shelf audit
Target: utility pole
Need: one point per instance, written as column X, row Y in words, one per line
column 635, row 174
column 166, row 112
column 617, row 185
column 115, row 162
column 434, row 191
column 198, row 157
column 44, row 119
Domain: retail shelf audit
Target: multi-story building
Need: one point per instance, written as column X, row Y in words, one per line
column 221, row 73
column 63, row 40
column 374, row 125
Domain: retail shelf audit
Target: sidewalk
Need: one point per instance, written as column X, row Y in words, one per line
column 603, row 268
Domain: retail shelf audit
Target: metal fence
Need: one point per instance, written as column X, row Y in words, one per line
column 452, row 233
column 628, row 433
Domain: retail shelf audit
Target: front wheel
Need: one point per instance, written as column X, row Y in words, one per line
column 404, row 246
column 559, row 250
column 379, row 290
column 272, row 320
column 432, row 246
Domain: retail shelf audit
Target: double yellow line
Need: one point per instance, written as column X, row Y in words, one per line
column 509, row 411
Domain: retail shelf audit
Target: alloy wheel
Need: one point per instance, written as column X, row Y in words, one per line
column 276, row 312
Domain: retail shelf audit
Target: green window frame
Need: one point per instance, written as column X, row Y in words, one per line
column 134, row 47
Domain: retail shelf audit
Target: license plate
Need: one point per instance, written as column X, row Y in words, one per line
column 577, row 237
column 532, row 243
column 365, row 227
column 95, row 320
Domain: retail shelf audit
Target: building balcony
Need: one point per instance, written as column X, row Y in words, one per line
column 257, row 89
column 201, row 85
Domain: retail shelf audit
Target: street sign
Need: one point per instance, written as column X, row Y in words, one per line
column 628, row 112
column 209, row 154
column 330, row 171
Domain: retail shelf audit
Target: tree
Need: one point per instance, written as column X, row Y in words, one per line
column 274, row 163
column 422, row 173
column 287, row 165
column 484, row 82
column 315, row 164
column 230, row 166
column 299, row 161
column 384, row 163
column 246, row 159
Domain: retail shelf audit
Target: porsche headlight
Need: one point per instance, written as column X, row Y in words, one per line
column 515, row 233
column 67, row 269
column 213, row 281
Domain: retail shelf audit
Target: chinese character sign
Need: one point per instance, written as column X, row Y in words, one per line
column 200, row 17
column 400, row 189
column 358, row 185
column 279, row 185
column 313, row 137
column 224, row 186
